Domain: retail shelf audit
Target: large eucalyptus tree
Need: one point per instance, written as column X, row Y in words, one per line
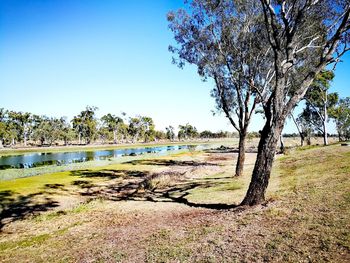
column 224, row 40
column 303, row 38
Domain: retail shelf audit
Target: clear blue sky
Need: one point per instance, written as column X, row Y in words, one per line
column 57, row 56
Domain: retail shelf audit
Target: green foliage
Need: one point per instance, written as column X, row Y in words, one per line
column 305, row 126
column 209, row 36
column 160, row 135
column 252, row 135
column 319, row 103
column 111, row 124
column 187, row 131
column 220, row 134
column 206, row 134
column 170, row 134
column 85, row 124
column 67, row 133
column 341, row 115
column 49, row 130
column 141, row 127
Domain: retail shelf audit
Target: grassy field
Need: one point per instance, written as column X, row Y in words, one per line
column 181, row 208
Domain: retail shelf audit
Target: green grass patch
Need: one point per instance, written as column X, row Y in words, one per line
column 34, row 240
column 220, row 191
column 28, row 242
column 80, row 208
column 34, row 184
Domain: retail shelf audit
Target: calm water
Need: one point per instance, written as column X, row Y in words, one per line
column 41, row 159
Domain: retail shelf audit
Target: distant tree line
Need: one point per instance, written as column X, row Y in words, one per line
column 25, row 128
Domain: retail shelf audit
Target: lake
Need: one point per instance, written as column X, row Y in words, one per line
column 31, row 160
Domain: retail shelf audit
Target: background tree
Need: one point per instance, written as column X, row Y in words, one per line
column 187, row 132
column 113, row 123
column 123, row 132
column 141, row 127
column 206, row 134
column 3, row 131
column 319, row 102
column 85, row 124
column 13, row 126
column 304, row 127
column 160, row 135
column 149, row 132
column 341, row 114
column 43, row 130
column 47, row 131
column 67, row 134
column 103, row 132
column 78, row 127
column 20, row 125
column 135, row 128
column 170, row 134
column 26, row 124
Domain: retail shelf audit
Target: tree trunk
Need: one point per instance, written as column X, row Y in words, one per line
column 325, row 138
column 1, row 145
column 340, row 137
column 263, row 165
column 325, row 135
column 114, row 136
column 302, row 139
column 308, row 140
column 282, row 143
column 241, row 153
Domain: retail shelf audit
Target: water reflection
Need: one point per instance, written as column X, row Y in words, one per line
column 43, row 159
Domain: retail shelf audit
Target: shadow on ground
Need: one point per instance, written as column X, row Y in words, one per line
column 109, row 173
column 161, row 162
column 224, row 149
column 16, row 207
column 140, row 187
column 120, row 185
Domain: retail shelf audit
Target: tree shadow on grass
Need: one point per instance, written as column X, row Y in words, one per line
column 178, row 194
column 162, row 162
column 15, row 207
column 55, row 186
column 141, row 188
column 231, row 150
column 108, row 173
column 134, row 186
